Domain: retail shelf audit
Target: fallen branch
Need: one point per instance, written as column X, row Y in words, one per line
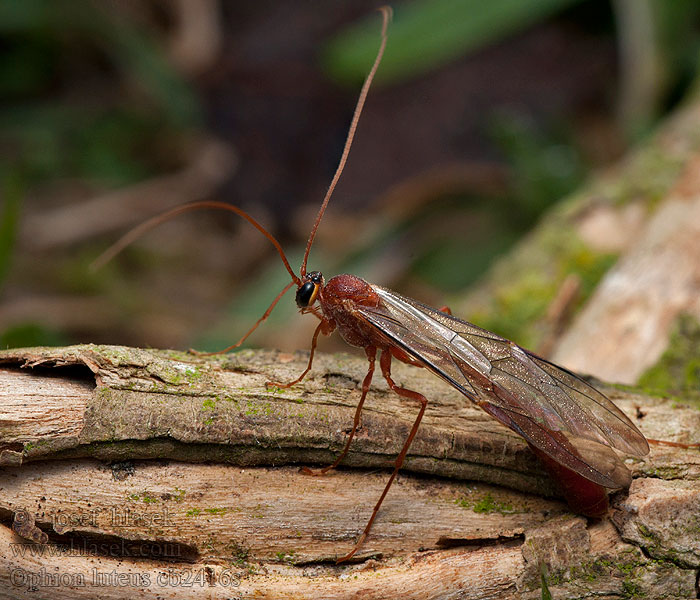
column 103, row 447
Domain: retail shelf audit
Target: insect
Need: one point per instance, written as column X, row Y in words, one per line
column 568, row 423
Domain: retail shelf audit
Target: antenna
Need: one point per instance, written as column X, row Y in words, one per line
column 386, row 17
column 146, row 226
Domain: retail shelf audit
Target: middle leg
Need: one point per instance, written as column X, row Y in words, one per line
column 371, row 352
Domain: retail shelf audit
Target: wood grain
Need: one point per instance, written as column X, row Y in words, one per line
column 159, row 466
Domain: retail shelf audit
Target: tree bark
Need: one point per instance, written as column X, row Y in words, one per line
column 156, row 473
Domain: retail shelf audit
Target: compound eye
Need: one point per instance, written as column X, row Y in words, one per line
column 306, row 294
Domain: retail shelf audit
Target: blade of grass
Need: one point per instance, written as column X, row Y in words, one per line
column 129, row 46
column 427, row 34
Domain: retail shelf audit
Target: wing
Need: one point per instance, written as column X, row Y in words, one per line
column 552, row 408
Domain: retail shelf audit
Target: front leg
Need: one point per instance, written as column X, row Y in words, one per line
column 325, row 327
column 261, row 320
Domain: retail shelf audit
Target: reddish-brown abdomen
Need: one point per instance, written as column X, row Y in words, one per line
column 582, row 495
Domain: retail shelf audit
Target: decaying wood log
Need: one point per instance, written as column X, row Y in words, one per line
column 161, row 474
column 630, row 238
column 638, row 301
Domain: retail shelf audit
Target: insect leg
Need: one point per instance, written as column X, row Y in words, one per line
column 323, row 327
column 314, row 311
column 385, row 364
column 252, row 329
column 672, row 444
column 371, row 352
column 445, row 309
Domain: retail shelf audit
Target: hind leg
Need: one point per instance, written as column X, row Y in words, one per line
column 385, row 364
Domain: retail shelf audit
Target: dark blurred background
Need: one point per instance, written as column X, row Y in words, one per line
column 482, row 115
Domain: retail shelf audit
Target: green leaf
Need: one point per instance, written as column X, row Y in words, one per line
column 430, row 33
column 546, row 594
column 129, row 47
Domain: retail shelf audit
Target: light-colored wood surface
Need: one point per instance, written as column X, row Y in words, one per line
column 177, row 471
column 625, row 326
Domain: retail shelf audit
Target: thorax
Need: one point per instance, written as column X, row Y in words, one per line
column 339, row 300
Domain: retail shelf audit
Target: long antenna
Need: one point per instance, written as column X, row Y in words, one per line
column 386, row 17
column 146, row 226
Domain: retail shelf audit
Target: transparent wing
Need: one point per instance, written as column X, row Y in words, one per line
column 552, row 408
